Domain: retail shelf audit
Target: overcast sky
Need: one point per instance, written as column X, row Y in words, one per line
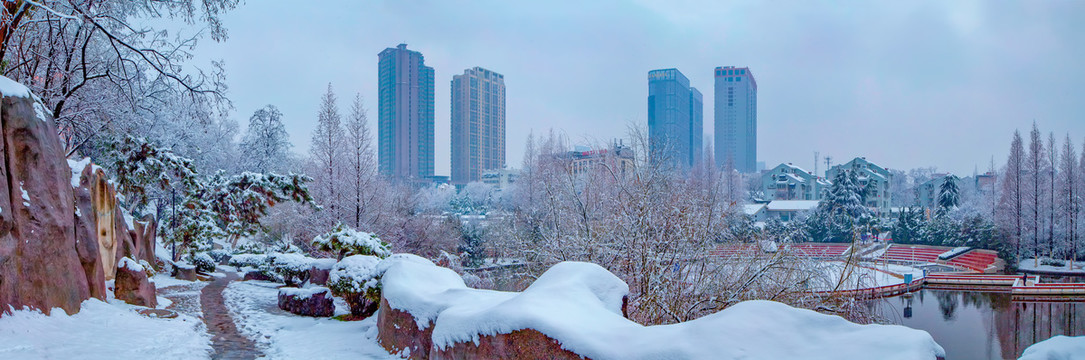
column 906, row 84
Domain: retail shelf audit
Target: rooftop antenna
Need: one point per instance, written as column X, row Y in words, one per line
column 828, row 163
column 816, row 159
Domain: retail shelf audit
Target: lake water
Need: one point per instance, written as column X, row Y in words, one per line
column 982, row 325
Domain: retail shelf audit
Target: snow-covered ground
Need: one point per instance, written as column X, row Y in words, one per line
column 1059, row 347
column 282, row 335
column 1030, row 265
column 101, row 330
column 865, row 275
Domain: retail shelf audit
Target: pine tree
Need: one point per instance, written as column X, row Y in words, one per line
column 325, row 151
column 266, row 144
column 949, row 196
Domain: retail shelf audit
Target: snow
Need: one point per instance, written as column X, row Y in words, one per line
column 323, row 264
column 1059, row 347
column 296, row 262
column 579, row 305
column 128, row 263
column 1029, row 264
column 77, row 167
column 954, row 252
column 26, row 197
column 357, row 271
column 792, row 205
column 753, row 209
column 162, row 280
column 350, row 238
column 250, row 260
column 281, row 335
column 39, row 111
column 9, row 87
column 305, row 293
column 862, row 276
column 101, row 331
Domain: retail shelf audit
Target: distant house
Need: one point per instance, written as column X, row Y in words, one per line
column 500, row 179
column 927, row 192
column 618, row 158
column 790, row 182
column 756, row 211
column 873, row 178
column 787, row 210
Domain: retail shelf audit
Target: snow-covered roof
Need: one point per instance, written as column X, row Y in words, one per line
column 792, row 205
column 753, row 209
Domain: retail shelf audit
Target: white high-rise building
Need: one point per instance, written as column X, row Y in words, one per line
column 478, row 124
column 736, row 118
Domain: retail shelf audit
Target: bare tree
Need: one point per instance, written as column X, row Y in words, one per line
column 1011, row 201
column 1034, row 166
column 361, row 170
column 1052, row 161
column 326, row 154
column 1068, row 194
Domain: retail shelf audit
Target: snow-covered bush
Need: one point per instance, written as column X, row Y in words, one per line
column 204, row 263
column 357, row 280
column 147, row 267
column 256, row 261
column 218, row 254
column 344, row 240
column 294, row 268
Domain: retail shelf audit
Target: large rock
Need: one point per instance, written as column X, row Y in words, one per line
column 132, row 285
column 397, row 332
column 104, row 202
column 39, row 263
column 86, row 242
column 143, row 237
column 314, row 301
column 185, row 272
column 519, row 344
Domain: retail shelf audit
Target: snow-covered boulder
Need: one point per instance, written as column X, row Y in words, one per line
column 294, row 268
column 312, row 301
column 320, row 271
column 185, row 271
column 40, row 265
column 574, row 310
column 1058, row 347
column 132, row 285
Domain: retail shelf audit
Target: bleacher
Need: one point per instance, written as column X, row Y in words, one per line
column 977, row 260
column 818, row 250
column 912, row 253
column 735, row 250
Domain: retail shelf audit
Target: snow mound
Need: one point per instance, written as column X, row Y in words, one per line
column 305, row 293
column 347, row 237
column 291, row 261
column 579, row 305
column 9, row 87
column 128, row 263
column 101, row 331
column 954, row 252
column 323, row 264
column 1059, row 347
column 77, row 167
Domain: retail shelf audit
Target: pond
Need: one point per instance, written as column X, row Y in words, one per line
column 983, row 325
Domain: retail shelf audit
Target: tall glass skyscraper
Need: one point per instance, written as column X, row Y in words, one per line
column 478, row 124
column 405, row 127
column 675, row 118
column 736, row 118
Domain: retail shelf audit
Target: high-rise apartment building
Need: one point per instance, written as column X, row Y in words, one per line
column 478, row 124
column 736, row 118
column 405, row 127
column 675, row 118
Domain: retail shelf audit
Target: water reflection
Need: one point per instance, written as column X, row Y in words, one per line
column 982, row 325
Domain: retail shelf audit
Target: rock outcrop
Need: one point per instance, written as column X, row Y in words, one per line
column 40, row 265
column 104, row 203
column 85, row 229
column 315, row 301
column 132, row 285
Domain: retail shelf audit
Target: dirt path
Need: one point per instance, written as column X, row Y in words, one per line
column 227, row 342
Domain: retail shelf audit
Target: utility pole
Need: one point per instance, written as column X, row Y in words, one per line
column 816, row 159
column 828, row 163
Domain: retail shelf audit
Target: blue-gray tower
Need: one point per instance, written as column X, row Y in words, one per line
column 675, row 119
column 736, row 118
column 405, row 125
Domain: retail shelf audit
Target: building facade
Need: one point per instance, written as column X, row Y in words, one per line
column 500, row 179
column 405, row 115
column 790, row 182
column 736, row 118
column 675, row 119
column 873, row 179
column 618, row 158
column 478, row 124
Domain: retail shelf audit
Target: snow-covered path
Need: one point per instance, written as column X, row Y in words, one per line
column 227, row 342
column 282, row 335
